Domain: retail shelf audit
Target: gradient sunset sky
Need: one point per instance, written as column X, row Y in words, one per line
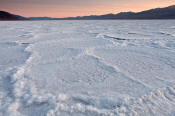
column 67, row 8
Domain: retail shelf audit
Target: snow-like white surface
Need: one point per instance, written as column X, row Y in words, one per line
column 87, row 68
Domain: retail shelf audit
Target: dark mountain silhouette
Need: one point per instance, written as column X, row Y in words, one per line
column 8, row 16
column 157, row 13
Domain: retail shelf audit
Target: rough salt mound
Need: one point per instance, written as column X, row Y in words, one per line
column 87, row 68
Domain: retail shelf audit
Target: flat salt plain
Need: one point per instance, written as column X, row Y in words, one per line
column 87, row 68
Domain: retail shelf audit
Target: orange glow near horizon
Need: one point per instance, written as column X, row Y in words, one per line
column 95, row 8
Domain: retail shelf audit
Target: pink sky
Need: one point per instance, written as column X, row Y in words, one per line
column 67, row 8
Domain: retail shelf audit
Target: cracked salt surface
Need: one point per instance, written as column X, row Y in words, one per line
column 87, row 68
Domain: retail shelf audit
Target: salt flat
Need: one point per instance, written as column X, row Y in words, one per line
column 87, row 68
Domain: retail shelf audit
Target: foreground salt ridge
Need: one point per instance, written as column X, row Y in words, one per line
column 7, row 83
column 31, row 99
column 17, row 81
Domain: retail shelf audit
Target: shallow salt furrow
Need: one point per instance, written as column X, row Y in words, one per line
column 90, row 52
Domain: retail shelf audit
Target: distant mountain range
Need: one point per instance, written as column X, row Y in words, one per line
column 157, row 13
